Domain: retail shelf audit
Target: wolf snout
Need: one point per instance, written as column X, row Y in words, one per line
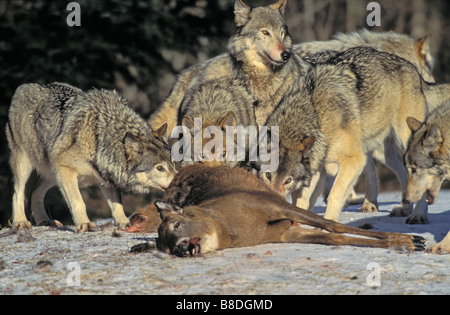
column 285, row 55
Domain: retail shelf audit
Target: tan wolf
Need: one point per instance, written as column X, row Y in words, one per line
column 76, row 139
column 212, row 208
column 219, row 103
column 428, row 161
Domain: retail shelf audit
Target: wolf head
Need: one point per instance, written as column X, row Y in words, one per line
column 262, row 38
column 148, row 162
column 426, row 162
column 180, row 234
column 294, row 169
column 214, row 150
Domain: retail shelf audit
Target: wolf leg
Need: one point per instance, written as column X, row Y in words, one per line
column 309, row 194
column 419, row 214
column 370, row 203
column 114, row 199
column 21, row 168
column 350, row 167
column 393, row 160
column 37, row 203
column 68, row 184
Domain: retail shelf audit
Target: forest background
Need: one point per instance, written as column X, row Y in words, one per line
column 137, row 47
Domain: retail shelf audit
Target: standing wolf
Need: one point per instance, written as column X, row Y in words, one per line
column 219, row 103
column 73, row 139
column 428, row 160
column 359, row 98
column 415, row 51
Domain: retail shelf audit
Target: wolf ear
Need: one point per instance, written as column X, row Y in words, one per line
column 433, row 137
column 241, row 13
column 133, row 148
column 228, row 120
column 413, row 124
column 160, row 132
column 280, row 5
column 163, row 207
column 422, row 46
column 306, row 144
column 188, row 122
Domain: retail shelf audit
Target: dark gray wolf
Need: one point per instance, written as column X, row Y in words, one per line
column 212, row 208
column 219, row 103
column 75, row 139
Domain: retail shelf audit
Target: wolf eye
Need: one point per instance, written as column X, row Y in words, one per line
column 288, row 181
column 412, row 170
column 265, row 32
column 268, row 176
column 160, row 168
column 176, row 226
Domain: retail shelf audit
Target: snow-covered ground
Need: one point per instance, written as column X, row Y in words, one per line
column 50, row 261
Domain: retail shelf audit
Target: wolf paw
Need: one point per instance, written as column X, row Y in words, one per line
column 51, row 223
column 123, row 224
column 368, row 207
column 86, row 227
column 417, row 219
column 440, row 248
column 22, row 225
column 400, row 212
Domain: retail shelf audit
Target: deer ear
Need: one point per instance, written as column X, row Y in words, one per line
column 160, row 132
column 413, row 124
column 280, row 5
column 241, row 13
column 228, row 120
column 164, row 208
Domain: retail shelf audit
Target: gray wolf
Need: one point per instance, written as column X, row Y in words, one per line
column 350, row 95
column 358, row 97
column 222, row 207
column 219, row 103
column 73, row 139
column 428, row 162
column 415, row 51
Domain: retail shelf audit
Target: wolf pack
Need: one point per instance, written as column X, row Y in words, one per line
column 328, row 109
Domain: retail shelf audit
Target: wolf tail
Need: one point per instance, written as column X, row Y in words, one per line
column 168, row 111
column 436, row 94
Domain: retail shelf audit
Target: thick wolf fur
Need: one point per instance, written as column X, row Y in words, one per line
column 361, row 99
column 219, row 103
column 428, row 162
column 222, row 207
column 75, row 139
column 427, row 159
column 415, row 51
